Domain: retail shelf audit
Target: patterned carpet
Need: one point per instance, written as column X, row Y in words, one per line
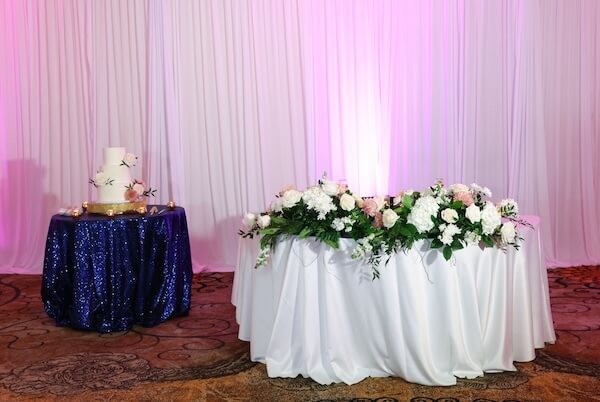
column 199, row 358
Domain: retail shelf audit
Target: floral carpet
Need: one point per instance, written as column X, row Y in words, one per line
column 199, row 358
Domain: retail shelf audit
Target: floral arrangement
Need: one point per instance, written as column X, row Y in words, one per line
column 450, row 217
column 137, row 190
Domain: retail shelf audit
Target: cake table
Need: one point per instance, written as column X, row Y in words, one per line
column 107, row 274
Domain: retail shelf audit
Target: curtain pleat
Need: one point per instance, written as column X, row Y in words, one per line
column 228, row 101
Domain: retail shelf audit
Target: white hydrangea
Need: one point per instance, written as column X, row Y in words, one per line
column 472, row 237
column 447, row 236
column 263, row 257
column 363, row 248
column 344, row 224
column 316, row 199
column 490, row 218
column 421, row 212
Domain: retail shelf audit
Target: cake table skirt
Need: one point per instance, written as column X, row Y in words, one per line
column 107, row 274
column 315, row 312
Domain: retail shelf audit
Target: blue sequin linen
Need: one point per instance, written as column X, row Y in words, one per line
column 107, row 274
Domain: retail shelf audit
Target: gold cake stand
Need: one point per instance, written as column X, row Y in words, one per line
column 115, row 209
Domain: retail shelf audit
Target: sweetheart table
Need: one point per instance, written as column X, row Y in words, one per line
column 316, row 312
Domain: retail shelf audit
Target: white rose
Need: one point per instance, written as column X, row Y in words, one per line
column 347, row 202
column 330, row 188
column 100, row 179
column 277, row 205
column 291, row 198
column 450, row 215
column 507, row 231
column 263, row 221
column 447, row 236
column 249, row 220
column 380, row 201
column 359, row 201
column 490, row 218
column 389, row 218
column 473, row 213
column 138, row 188
column 130, row 159
column 459, row 188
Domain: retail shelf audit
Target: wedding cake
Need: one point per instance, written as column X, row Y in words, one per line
column 113, row 180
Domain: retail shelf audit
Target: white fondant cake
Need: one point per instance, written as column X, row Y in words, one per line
column 113, row 178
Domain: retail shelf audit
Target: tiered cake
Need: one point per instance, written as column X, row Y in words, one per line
column 114, row 177
column 116, row 192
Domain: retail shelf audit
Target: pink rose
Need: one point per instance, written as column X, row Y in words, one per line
column 131, row 195
column 465, row 197
column 378, row 222
column 342, row 188
column 370, row 207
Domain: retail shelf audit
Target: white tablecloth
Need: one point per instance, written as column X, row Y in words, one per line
column 316, row 312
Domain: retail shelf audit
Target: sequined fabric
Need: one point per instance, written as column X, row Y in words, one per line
column 107, row 274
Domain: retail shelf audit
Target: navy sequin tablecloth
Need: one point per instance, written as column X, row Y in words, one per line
column 107, row 274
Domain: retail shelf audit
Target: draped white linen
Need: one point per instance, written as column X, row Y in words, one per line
column 314, row 311
column 228, row 101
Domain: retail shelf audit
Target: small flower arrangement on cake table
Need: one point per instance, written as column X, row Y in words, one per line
column 449, row 217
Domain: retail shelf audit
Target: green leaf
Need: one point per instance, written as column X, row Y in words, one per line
column 436, row 243
column 457, row 245
column 488, row 241
column 332, row 243
column 405, row 231
column 456, row 205
column 278, row 220
column 447, row 253
column 305, row 232
column 407, row 201
column 269, row 231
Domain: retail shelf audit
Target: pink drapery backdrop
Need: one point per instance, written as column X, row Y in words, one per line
column 227, row 101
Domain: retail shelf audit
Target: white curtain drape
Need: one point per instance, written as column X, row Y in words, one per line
column 226, row 102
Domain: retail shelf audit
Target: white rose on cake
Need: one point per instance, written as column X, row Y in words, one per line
column 129, row 160
column 100, row 179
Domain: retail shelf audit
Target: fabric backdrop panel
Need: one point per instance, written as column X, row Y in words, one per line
column 226, row 102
